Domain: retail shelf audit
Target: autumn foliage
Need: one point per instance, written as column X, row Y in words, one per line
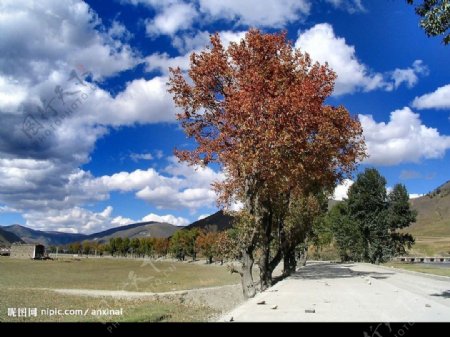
column 258, row 109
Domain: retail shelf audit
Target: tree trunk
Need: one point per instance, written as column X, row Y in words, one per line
column 248, row 287
column 289, row 262
column 303, row 257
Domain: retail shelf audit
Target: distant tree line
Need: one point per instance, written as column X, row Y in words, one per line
column 184, row 244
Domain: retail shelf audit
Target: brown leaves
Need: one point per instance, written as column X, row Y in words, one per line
column 258, row 108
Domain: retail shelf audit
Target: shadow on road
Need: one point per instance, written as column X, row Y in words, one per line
column 332, row 270
column 445, row 294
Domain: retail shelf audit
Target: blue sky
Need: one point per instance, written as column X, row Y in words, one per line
column 88, row 130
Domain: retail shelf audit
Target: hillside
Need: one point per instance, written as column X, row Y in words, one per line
column 216, row 222
column 137, row 230
column 7, row 238
column 29, row 235
column 432, row 228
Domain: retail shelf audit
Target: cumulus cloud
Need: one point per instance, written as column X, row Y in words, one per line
column 74, row 220
column 415, row 195
column 323, row 46
column 409, row 75
column 439, row 99
column 403, row 139
column 341, row 191
column 171, row 19
column 263, row 13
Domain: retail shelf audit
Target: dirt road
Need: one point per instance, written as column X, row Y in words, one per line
column 328, row 292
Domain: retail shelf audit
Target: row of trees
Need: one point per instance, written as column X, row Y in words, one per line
column 183, row 244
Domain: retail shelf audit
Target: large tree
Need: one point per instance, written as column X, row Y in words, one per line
column 377, row 216
column 258, row 109
column 346, row 232
column 435, row 16
column 400, row 215
column 367, row 203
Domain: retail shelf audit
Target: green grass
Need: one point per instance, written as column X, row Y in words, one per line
column 25, row 284
column 111, row 274
column 427, row 269
column 133, row 310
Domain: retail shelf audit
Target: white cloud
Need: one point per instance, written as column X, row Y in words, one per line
column 351, row 6
column 81, row 220
column 132, row 181
column 439, row 99
column 409, row 75
column 341, row 191
column 403, row 139
column 141, row 156
column 263, row 13
column 323, row 45
column 142, row 101
column 202, row 216
column 415, row 195
column 121, row 221
column 119, row 31
column 78, row 220
column 162, row 61
column 173, row 220
column 167, row 197
column 55, row 35
column 171, row 19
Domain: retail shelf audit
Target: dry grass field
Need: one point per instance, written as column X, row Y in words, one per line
column 29, row 284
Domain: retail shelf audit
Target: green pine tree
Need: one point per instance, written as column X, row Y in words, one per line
column 400, row 215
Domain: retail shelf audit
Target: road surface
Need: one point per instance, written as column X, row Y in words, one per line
column 326, row 292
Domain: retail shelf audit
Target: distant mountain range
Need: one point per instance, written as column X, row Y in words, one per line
column 17, row 233
column 6, row 238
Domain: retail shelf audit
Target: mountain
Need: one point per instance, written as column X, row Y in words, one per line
column 29, row 235
column 7, row 238
column 51, row 238
column 432, row 228
column 433, row 209
column 216, row 222
column 136, row 230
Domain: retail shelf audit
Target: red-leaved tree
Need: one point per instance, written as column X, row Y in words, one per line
column 258, row 109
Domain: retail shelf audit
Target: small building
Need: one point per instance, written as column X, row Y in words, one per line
column 27, row 251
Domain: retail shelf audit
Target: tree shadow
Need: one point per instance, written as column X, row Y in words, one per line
column 445, row 294
column 333, row 270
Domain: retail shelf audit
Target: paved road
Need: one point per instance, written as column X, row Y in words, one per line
column 324, row 292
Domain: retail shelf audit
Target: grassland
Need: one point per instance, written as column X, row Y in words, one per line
column 421, row 268
column 111, row 274
column 26, row 283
